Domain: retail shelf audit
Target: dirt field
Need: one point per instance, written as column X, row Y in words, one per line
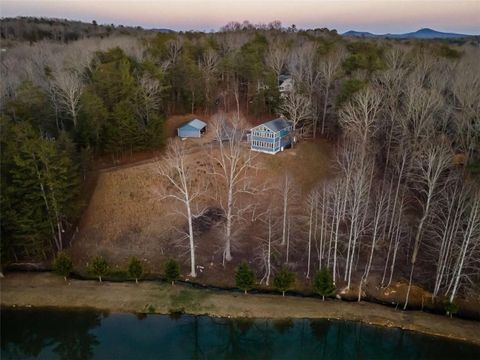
column 47, row 290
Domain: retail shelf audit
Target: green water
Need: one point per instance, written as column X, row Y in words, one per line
column 43, row 334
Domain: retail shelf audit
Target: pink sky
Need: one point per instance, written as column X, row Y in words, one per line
column 377, row 16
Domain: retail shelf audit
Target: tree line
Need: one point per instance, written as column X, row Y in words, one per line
column 244, row 277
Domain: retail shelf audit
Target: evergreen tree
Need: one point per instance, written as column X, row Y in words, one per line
column 39, row 190
column 323, row 283
column 99, row 267
column 244, row 277
column 171, row 270
column 283, row 280
column 450, row 308
column 92, row 119
column 62, row 265
column 135, row 269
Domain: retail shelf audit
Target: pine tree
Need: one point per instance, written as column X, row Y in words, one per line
column 99, row 267
column 172, row 271
column 283, row 280
column 62, row 265
column 135, row 269
column 39, row 190
column 323, row 283
column 244, row 277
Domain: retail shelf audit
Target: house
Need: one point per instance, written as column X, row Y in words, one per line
column 285, row 84
column 193, row 129
column 272, row 136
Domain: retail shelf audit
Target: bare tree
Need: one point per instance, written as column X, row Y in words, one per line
column 430, row 165
column 266, row 251
column 208, row 64
column 466, row 90
column 470, row 239
column 329, row 69
column 174, row 48
column 358, row 193
column 378, row 219
column 174, row 168
column 276, row 57
column 70, row 89
column 312, row 203
column 230, row 164
column 296, row 108
column 149, row 92
column 359, row 118
column 287, row 192
column 447, row 226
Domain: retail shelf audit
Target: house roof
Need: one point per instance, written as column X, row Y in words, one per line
column 277, row 124
column 195, row 123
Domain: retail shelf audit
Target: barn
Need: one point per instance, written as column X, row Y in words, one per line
column 193, row 129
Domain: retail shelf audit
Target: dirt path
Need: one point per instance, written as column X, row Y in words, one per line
column 45, row 289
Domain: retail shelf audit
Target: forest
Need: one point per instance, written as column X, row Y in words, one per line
column 403, row 117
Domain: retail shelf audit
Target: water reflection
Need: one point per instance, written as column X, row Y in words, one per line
column 27, row 333
column 89, row 335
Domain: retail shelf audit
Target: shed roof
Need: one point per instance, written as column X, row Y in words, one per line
column 195, row 123
column 277, row 124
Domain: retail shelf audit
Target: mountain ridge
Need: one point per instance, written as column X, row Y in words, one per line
column 424, row 33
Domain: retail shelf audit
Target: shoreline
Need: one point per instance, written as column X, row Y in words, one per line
column 48, row 290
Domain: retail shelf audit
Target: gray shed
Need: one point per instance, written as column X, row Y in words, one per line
column 193, row 129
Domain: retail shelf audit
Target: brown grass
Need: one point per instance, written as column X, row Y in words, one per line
column 127, row 218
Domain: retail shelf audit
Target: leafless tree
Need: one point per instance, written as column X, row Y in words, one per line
column 328, row 69
column 208, row 64
column 311, row 205
column 287, row 190
column 230, row 165
column 149, row 91
column 180, row 177
column 429, row 167
column 296, row 108
column 470, row 239
column 359, row 118
column 276, row 57
column 69, row 90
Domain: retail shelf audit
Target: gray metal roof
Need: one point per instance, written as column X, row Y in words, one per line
column 277, row 124
column 195, row 123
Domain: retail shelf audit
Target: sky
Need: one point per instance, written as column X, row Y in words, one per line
column 377, row 16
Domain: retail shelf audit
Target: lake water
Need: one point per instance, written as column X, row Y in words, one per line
column 49, row 334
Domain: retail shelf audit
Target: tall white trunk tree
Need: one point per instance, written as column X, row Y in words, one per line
column 430, row 165
column 180, row 176
column 230, row 165
column 69, row 90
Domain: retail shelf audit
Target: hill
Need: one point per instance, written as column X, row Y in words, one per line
column 34, row 29
column 424, row 33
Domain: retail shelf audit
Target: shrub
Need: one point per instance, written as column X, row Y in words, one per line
column 284, row 280
column 62, row 265
column 244, row 277
column 450, row 308
column 99, row 267
column 323, row 283
column 172, row 271
column 135, row 269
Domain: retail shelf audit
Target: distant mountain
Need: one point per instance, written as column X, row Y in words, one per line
column 362, row 34
column 162, row 30
column 419, row 34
